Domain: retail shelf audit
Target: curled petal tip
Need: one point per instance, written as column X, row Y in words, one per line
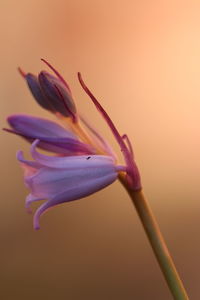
column 38, row 213
column 33, row 146
column 19, row 155
column 36, row 225
column 35, row 143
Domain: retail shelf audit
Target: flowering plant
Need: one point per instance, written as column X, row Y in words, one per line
column 82, row 162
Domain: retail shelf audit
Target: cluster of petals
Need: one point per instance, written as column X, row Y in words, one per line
column 82, row 162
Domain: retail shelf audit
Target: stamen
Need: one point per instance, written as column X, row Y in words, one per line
column 105, row 115
column 100, row 140
column 83, row 135
column 126, row 138
column 57, row 74
column 69, row 111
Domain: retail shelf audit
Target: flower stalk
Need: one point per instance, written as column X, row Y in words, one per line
column 157, row 241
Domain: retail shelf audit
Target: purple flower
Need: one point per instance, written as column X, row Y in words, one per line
column 83, row 162
column 63, row 179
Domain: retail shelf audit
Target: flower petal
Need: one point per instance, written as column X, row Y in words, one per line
column 78, row 189
column 29, row 167
column 47, row 182
column 64, row 146
column 72, row 162
column 29, row 200
column 30, row 125
column 29, row 163
column 52, row 136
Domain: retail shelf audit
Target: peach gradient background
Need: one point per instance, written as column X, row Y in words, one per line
column 142, row 60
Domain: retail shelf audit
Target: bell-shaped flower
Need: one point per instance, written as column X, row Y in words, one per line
column 63, row 179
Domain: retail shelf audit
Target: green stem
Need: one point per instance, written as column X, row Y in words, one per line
column 157, row 242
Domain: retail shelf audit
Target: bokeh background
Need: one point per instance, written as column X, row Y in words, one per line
column 142, row 60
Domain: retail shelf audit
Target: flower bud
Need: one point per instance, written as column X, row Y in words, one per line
column 51, row 93
column 57, row 94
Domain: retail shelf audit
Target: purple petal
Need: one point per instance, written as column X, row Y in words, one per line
column 64, row 146
column 30, row 125
column 29, row 163
column 79, row 188
column 47, row 182
column 29, row 200
column 63, row 179
column 52, row 136
column 30, row 168
column 72, row 162
column 60, row 173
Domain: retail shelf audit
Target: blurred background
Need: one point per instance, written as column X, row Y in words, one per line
column 142, row 61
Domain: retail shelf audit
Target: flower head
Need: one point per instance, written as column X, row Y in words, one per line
column 83, row 162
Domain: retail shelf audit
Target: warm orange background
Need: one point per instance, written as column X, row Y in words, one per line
column 142, row 60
